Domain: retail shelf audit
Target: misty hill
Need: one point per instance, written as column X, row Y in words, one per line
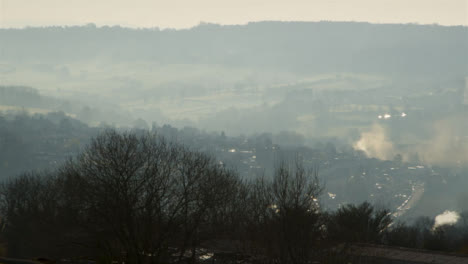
column 294, row 46
column 29, row 142
column 28, row 97
column 320, row 80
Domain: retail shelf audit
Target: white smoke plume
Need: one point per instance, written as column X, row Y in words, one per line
column 446, row 218
column 375, row 143
column 448, row 145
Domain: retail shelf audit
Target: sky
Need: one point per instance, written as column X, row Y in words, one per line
column 188, row 13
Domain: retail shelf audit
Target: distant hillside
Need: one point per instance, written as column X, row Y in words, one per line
column 29, row 142
column 15, row 98
column 294, row 46
column 24, row 96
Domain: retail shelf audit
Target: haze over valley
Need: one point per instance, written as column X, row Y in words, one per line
column 403, row 83
column 380, row 111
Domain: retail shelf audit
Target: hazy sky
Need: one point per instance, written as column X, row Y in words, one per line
column 187, row 13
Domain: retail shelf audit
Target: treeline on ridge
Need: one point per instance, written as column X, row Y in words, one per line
column 349, row 46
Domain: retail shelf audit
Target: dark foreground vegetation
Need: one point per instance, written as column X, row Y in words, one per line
column 137, row 198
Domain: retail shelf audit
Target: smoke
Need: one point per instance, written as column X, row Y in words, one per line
column 375, row 143
column 449, row 143
column 446, row 146
column 446, row 218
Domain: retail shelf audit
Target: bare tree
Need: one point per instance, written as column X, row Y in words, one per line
column 142, row 199
column 284, row 222
column 361, row 223
column 145, row 195
column 30, row 206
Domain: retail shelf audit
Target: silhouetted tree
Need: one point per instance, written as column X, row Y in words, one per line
column 362, row 223
column 144, row 194
column 284, row 220
column 126, row 197
column 403, row 235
